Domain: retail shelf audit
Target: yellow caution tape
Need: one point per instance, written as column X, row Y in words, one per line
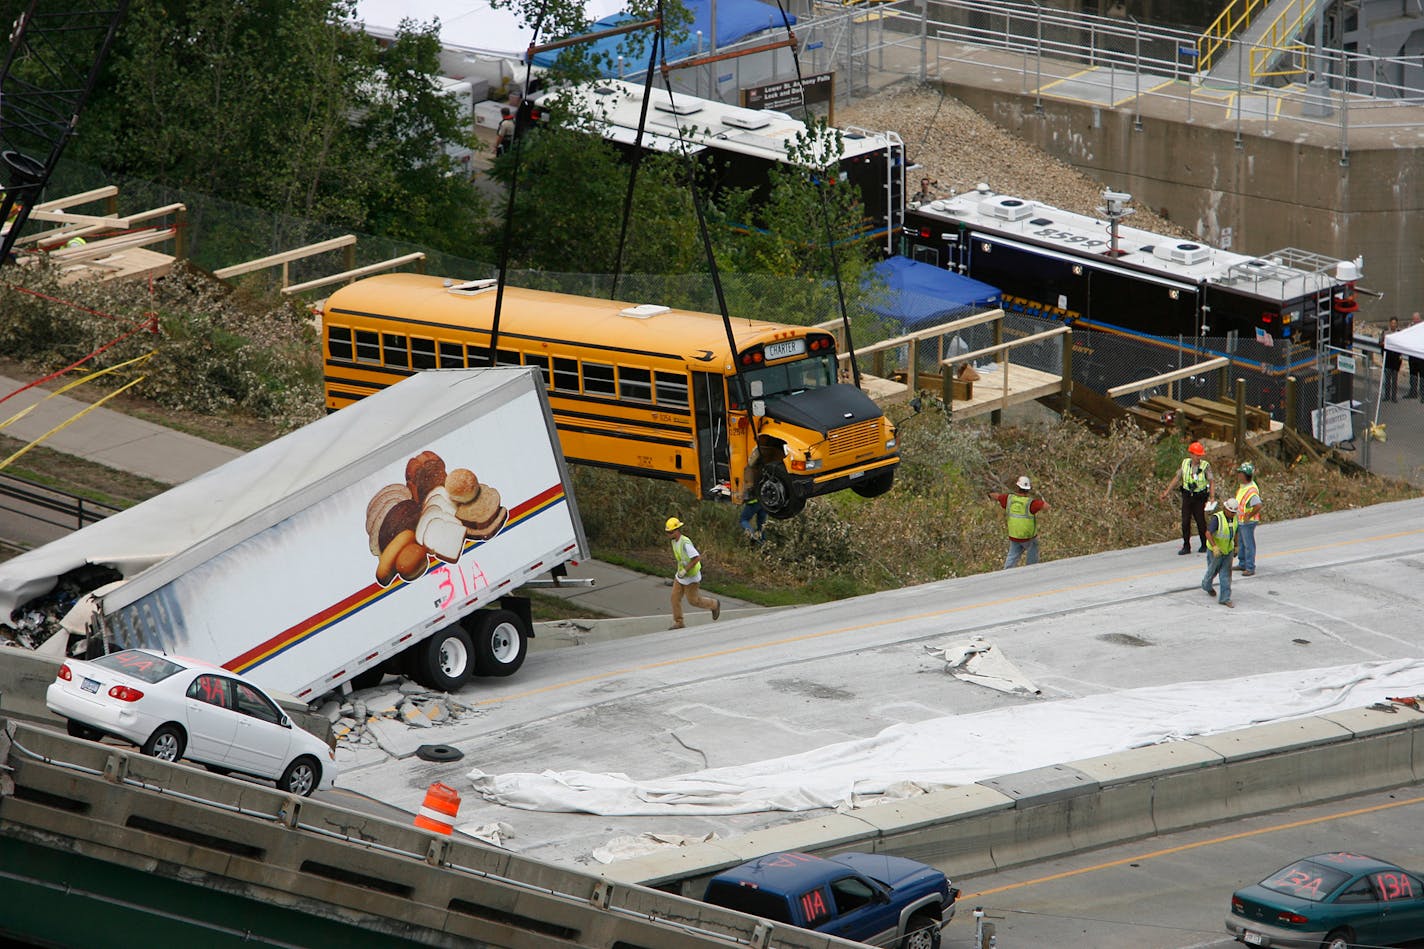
column 71, row 420
column 70, row 385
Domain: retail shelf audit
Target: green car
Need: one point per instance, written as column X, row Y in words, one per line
column 1330, row 901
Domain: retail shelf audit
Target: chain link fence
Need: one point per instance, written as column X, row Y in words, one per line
column 220, row 233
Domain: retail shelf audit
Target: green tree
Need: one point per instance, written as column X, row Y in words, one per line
column 286, row 105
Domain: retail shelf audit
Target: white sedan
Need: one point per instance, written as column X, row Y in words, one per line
column 174, row 708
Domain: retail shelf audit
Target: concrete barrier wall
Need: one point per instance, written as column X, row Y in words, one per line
column 1049, row 812
column 219, row 834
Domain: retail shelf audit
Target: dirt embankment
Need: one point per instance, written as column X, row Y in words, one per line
column 961, row 149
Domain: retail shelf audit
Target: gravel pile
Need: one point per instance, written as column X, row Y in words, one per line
column 960, row 148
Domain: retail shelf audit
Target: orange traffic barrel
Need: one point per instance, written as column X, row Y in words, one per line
column 437, row 814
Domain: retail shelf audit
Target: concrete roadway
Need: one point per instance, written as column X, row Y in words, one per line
column 1173, row 892
column 1331, row 590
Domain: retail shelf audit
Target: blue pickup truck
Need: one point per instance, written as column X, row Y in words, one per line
column 866, row 897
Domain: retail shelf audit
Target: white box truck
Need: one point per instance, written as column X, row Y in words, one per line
column 392, row 534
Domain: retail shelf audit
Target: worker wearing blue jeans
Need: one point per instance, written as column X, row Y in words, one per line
column 1220, row 546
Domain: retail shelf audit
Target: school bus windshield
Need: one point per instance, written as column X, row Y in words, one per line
column 813, row 372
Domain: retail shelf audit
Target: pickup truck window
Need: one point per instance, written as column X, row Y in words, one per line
column 814, row 907
column 851, row 894
column 746, row 899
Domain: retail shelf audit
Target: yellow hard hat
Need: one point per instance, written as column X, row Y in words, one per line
column 672, row 524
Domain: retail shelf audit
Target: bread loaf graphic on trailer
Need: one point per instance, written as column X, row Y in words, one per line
column 431, row 515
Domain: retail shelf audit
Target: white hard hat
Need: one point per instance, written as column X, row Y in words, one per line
column 1024, row 484
column 1231, row 506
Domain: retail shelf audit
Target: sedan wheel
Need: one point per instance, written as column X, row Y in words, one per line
column 1339, row 939
column 166, row 743
column 301, row 777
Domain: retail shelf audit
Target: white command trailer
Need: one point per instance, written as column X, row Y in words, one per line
column 389, row 536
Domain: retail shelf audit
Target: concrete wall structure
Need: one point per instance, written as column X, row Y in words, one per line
column 1250, row 170
column 95, row 839
column 1283, row 184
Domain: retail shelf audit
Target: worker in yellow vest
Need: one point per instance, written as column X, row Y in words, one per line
column 1022, row 521
column 688, row 581
column 1248, row 500
column 1221, row 535
column 1198, row 487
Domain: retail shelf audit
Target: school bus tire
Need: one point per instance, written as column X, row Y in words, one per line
column 778, row 494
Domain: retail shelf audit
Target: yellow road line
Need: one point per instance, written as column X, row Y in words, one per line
column 948, row 611
column 1168, row 851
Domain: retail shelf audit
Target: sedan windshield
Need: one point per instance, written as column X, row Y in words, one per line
column 1306, row 880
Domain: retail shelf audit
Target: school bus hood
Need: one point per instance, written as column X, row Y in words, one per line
column 823, row 409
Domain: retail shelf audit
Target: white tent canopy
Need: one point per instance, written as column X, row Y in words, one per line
column 1407, row 342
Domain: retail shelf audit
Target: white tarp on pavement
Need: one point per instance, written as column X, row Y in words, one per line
column 961, row 749
column 976, row 660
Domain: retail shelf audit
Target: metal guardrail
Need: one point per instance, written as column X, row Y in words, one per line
column 219, row 835
column 42, row 500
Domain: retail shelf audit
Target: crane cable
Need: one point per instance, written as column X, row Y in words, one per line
column 502, row 278
column 712, row 269
column 637, row 153
column 825, row 208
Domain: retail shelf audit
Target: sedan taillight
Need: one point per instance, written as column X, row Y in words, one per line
column 1238, row 907
column 65, row 673
column 125, row 694
column 1292, row 919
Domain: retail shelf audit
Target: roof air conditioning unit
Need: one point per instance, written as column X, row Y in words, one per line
column 682, row 105
column 1008, row 209
column 1187, row 254
column 751, row 121
column 643, row 310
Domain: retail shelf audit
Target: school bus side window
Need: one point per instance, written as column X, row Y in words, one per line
column 452, row 355
column 368, row 347
column 598, row 379
column 671, row 389
column 635, row 384
column 506, row 357
column 566, row 374
column 422, row 353
column 540, row 360
column 395, row 350
column 338, row 340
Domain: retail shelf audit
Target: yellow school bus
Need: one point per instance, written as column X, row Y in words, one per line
column 639, row 388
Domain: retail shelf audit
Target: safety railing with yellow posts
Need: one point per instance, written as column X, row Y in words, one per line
column 1278, row 53
column 1235, row 18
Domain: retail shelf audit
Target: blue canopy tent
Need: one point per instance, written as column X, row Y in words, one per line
column 735, row 19
column 918, row 295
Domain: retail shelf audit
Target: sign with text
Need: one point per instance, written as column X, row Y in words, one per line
column 780, row 96
column 1336, row 426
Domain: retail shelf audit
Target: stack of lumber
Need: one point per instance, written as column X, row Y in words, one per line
column 1200, row 417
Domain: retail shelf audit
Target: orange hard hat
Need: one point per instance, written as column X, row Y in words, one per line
column 1196, row 448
